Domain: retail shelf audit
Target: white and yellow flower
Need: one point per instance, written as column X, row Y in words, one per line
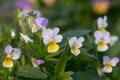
column 75, row 44
column 102, row 23
column 102, row 39
column 113, row 40
column 26, row 38
column 109, row 63
column 12, row 53
column 51, row 37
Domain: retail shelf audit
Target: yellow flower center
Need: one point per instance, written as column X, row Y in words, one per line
column 75, row 50
column 101, row 44
column 53, row 47
column 8, row 62
column 102, row 29
column 108, row 66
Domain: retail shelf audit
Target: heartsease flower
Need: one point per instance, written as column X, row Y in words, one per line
column 26, row 38
column 12, row 53
column 102, row 23
column 75, row 44
column 37, row 62
column 113, row 40
column 102, row 39
column 109, row 63
column 51, row 37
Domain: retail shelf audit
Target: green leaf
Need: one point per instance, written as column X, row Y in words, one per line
column 31, row 72
column 60, row 67
column 67, row 74
column 76, row 33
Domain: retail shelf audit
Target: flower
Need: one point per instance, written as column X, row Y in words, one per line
column 100, row 6
column 12, row 34
column 26, row 38
column 102, row 23
column 102, row 39
column 113, row 40
column 51, row 37
column 37, row 62
column 12, row 53
column 75, row 44
column 109, row 63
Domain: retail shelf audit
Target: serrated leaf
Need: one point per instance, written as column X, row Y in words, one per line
column 31, row 72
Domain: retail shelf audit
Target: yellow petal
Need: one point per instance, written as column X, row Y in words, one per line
column 75, row 50
column 8, row 62
column 102, row 46
column 102, row 29
column 53, row 47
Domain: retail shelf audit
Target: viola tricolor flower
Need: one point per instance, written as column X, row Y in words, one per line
column 26, row 38
column 51, row 37
column 75, row 44
column 12, row 53
column 102, row 23
column 102, row 39
column 113, row 40
column 109, row 63
column 37, row 62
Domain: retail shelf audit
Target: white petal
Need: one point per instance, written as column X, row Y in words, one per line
column 98, row 34
column 106, row 37
column 103, row 48
column 16, row 54
column 100, row 21
column 107, row 70
column 56, row 31
column 113, row 40
column 114, row 61
column 75, row 52
column 58, row 38
column 105, row 24
column 47, row 32
column 72, row 40
column 26, row 38
column 78, row 44
column 106, row 59
column 37, row 13
column 8, row 49
column 81, row 39
column 46, row 40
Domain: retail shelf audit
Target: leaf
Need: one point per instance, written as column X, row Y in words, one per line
column 67, row 74
column 76, row 33
column 31, row 72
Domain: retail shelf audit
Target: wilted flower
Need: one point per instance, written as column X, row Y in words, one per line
column 109, row 63
column 75, row 44
column 22, row 4
column 113, row 40
column 26, row 38
column 100, row 6
column 12, row 34
column 37, row 62
column 12, row 53
column 102, row 39
column 51, row 37
column 102, row 23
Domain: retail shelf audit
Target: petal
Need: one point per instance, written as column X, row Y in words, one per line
column 106, row 59
column 105, row 24
column 58, row 38
column 8, row 62
column 100, row 21
column 38, row 62
column 56, row 31
column 37, row 13
column 81, row 39
column 106, row 37
column 78, row 44
column 46, row 40
column 75, row 51
column 107, row 69
column 114, row 61
column 41, row 21
column 16, row 54
column 47, row 32
column 8, row 49
column 113, row 40
column 98, row 34
column 53, row 47
column 26, row 38
column 102, row 47
column 72, row 40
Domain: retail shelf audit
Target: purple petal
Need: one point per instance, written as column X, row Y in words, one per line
column 8, row 49
column 105, row 59
column 41, row 21
column 114, row 61
column 23, row 5
column 38, row 62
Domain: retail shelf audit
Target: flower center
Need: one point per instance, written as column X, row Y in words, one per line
column 101, row 44
column 102, row 29
column 108, row 65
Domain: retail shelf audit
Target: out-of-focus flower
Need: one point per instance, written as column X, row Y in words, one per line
column 113, row 40
column 26, row 38
column 12, row 53
column 102, row 39
column 75, row 44
column 12, row 34
column 102, row 23
column 51, row 37
column 109, row 63
column 100, row 72
column 100, row 6
column 49, row 3
column 23, row 4
column 37, row 62
column 41, row 22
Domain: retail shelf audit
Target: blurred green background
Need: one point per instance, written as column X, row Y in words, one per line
column 68, row 14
